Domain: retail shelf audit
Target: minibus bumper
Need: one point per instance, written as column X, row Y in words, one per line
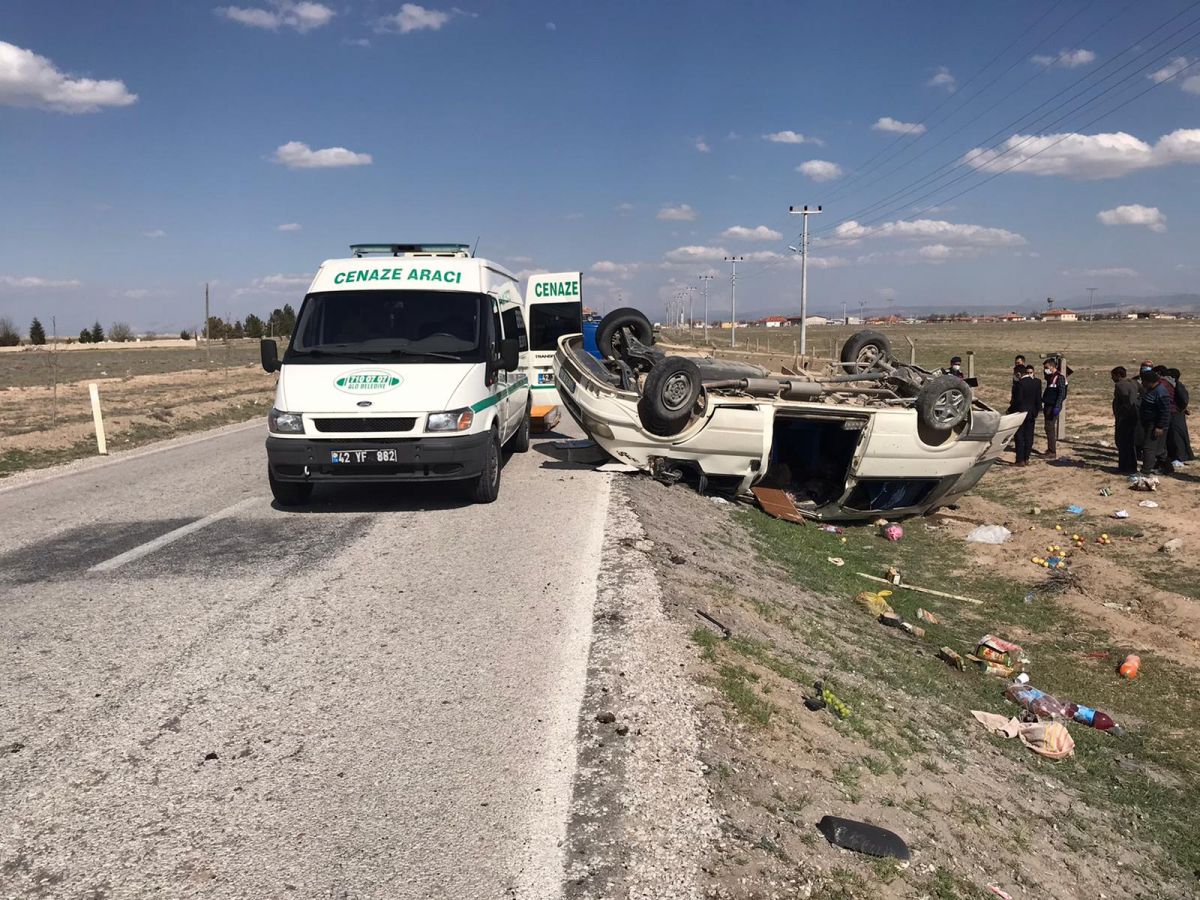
column 416, row 459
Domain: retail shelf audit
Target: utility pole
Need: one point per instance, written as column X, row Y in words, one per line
column 844, row 322
column 1091, row 304
column 705, row 279
column 733, row 299
column 207, row 335
column 805, row 212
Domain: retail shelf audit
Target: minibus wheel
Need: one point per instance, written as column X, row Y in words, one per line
column 519, row 442
column 944, row 402
column 669, row 396
column 486, row 488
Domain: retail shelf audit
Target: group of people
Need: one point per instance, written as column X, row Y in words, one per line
column 1032, row 398
column 1150, row 418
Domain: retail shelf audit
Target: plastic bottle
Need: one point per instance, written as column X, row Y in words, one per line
column 1129, row 668
column 1097, row 719
column 1041, row 704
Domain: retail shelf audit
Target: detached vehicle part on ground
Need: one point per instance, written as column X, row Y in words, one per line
column 873, row 437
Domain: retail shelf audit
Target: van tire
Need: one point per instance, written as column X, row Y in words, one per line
column 862, row 349
column 944, row 402
column 486, row 488
column 519, row 442
column 669, row 396
column 290, row 493
column 614, row 322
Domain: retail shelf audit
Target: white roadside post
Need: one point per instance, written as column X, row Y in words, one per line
column 97, row 419
column 805, row 212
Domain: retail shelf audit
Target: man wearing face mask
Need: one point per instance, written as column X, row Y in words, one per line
column 1052, row 401
column 956, row 366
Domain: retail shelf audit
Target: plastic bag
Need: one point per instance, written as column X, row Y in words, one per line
column 989, row 534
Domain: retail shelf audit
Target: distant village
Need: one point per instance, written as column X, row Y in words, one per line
column 1050, row 315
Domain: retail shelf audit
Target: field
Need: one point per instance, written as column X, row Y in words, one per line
column 146, row 394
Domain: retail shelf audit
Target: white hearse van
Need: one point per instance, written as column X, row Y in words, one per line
column 553, row 308
column 405, row 365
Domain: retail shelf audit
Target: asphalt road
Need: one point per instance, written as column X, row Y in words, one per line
column 201, row 695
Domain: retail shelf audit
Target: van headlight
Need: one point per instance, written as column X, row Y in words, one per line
column 454, row 420
column 280, row 422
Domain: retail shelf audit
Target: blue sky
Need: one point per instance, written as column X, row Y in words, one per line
column 146, row 147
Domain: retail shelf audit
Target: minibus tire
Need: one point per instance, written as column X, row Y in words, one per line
column 290, row 493
column 519, row 442
column 625, row 317
column 669, row 396
column 863, row 348
column 944, row 402
column 486, row 488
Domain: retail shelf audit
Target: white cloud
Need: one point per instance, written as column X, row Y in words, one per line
column 300, row 16
column 357, row 42
column 625, row 209
column 1087, row 156
column 414, row 17
column 29, row 80
column 619, row 270
column 791, row 137
column 895, row 126
column 943, row 79
column 702, row 145
column 32, row 282
column 759, row 233
column 1134, row 214
column 694, row 254
column 298, row 155
column 680, row 213
column 820, row 170
column 1191, row 85
column 1066, row 59
column 154, row 234
column 550, row 26
column 521, row 260
column 1115, row 272
column 279, row 283
column 936, row 230
column 290, row 226
column 1170, row 70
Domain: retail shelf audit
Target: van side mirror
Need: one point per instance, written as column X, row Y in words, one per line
column 510, row 355
column 268, row 352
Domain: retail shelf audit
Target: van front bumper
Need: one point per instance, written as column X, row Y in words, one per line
column 417, row 459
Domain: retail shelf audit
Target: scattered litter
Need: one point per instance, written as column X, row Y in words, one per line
column 1130, row 665
column 1022, row 678
column 1094, row 718
column 1174, row 545
column 876, row 602
column 1097, row 654
column 989, row 667
column 893, row 575
column 1029, row 596
column 831, row 700
column 720, row 501
column 623, row 468
column 1047, row 706
column 1143, row 482
column 892, row 531
column 863, row 838
column 892, row 620
column 1104, row 443
column 1105, row 492
column 833, row 529
column 1121, row 606
column 778, row 504
column 1148, row 504
column 1049, row 739
column 582, row 451
column 1035, row 511
column 926, row 616
column 1178, row 465
column 1002, row 894
column 919, row 590
column 952, row 657
column 989, row 534
column 724, row 629
column 1075, row 509
column 836, row 560
column 997, row 649
column 1121, row 514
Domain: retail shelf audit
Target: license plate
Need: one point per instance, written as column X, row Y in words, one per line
column 360, row 457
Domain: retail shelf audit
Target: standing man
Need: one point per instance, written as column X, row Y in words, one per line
column 956, row 366
column 1125, row 420
column 1027, row 396
column 1018, row 374
column 1052, row 401
column 1179, row 428
column 1154, row 416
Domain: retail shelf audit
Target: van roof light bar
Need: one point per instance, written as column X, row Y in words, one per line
column 458, row 250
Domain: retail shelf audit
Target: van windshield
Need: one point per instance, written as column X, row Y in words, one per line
column 437, row 326
column 550, row 321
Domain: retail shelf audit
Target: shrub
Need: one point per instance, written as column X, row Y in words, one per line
column 37, row 334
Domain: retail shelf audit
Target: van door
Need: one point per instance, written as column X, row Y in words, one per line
column 504, row 378
column 514, row 325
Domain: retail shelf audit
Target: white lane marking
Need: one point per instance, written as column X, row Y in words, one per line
column 171, row 536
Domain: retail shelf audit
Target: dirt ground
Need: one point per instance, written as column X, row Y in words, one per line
column 145, row 394
column 976, row 810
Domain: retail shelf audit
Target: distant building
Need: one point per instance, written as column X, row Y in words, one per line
column 773, row 321
column 1060, row 315
column 1012, row 317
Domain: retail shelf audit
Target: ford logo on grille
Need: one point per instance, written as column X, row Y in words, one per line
column 363, row 403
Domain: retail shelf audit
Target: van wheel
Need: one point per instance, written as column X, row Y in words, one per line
column 863, row 348
column 290, row 493
column 669, row 396
column 625, row 318
column 486, row 488
column 519, row 442
column 944, row 402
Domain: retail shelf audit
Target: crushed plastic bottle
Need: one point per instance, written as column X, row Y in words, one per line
column 1041, row 704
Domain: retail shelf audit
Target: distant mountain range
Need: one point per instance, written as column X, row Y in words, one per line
column 1176, row 303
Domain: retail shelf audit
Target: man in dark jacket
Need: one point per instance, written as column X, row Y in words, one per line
column 1125, row 419
column 1027, row 398
column 1154, row 416
column 1052, row 402
column 1178, row 439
